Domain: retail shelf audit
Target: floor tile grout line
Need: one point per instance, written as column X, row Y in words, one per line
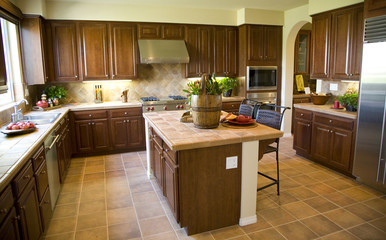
column 107, row 213
column 80, row 196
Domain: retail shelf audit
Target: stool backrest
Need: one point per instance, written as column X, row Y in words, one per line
column 271, row 118
column 246, row 110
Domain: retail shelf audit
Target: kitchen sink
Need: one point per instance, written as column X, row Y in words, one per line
column 42, row 118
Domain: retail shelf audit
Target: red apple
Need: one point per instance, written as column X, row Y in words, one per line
column 31, row 125
column 25, row 126
column 15, row 127
column 9, row 127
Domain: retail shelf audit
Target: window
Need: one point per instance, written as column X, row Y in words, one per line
column 10, row 62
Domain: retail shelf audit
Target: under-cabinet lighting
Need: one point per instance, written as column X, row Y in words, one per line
column 108, row 81
column 350, row 81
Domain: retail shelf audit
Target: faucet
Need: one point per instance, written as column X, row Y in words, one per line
column 17, row 115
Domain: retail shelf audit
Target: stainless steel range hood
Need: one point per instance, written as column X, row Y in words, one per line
column 163, row 51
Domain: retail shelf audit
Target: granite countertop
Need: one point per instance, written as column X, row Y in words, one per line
column 182, row 136
column 326, row 109
column 16, row 150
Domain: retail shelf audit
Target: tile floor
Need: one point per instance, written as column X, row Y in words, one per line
column 110, row 197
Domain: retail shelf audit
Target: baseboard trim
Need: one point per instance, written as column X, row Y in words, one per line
column 247, row 220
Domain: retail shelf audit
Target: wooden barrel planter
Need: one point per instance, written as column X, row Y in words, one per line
column 206, row 109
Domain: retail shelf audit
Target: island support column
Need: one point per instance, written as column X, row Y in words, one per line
column 149, row 172
column 250, row 153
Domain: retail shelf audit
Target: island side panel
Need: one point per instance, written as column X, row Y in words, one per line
column 249, row 182
column 210, row 194
column 148, row 156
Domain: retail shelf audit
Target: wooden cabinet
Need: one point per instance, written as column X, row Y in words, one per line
column 325, row 138
column 337, row 44
column 199, row 42
column 94, row 50
column 302, row 52
column 302, row 131
column 123, row 41
column 65, row 51
column 225, row 51
column 231, row 107
column 9, row 229
column 33, row 47
column 160, row 31
column 321, row 31
column 374, row 8
column 91, row 131
column 63, row 147
column 346, row 43
column 126, row 130
column 171, row 184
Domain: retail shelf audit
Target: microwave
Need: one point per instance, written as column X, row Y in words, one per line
column 261, row 78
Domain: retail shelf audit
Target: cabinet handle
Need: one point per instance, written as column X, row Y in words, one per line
column 125, row 113
column 27, row 177
column 43, row 172
column 46, row 202
column 124, row 121
column 308, row 125
column 166, row 150
column 89, row 123
column 93, row 123
column 17, row 218
column 106, row 75
column 128, row 121
column 330, row 121
column 89, row 115
column 3, row 211
column 331, row 132
column 302, row 114
column 113, row 75
column 47, row 78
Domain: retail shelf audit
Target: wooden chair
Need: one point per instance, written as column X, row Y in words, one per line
column 271, row 119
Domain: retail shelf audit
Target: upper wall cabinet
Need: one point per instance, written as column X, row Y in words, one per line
column 94, row 50
column 34, row 50
column 374, row 8
column 302, row 52
column 225, row 51
column 123, row 51
column 160, row 31
column 259, row 45
column 65, row 54
column 337, row 44
column 199, row 41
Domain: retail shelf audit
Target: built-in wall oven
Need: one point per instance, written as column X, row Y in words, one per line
column 261, row 78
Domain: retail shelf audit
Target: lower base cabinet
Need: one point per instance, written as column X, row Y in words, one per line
column 9, row 229
column 325, row 138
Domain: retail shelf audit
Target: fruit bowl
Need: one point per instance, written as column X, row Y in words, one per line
column 18, row 128
column 319, row 99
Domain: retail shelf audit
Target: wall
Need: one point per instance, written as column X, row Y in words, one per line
column 259, row 16
column 294, row 20
column 318, row 6
column 37, row 7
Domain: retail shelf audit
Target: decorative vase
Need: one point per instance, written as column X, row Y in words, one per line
column 350, row 108
column 228, row 93
column 206, row 109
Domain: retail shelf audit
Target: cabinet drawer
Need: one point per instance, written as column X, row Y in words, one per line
column 46, row 209
column 303, row 114
column 126, row 112
column 302, row 100
column 230, row 105
column 22, row 179
column 154, row 137
column 6, row 202
column 38, row 158
column 172, row 154
column 334, row 121
column 85, row 115
column 42, row 180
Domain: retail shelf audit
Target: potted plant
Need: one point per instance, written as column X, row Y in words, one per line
column 349, row 100
column 55, row 93
column 228, row 84
column 205, row 101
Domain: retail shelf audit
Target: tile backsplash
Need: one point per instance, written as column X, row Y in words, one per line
column 342, row 88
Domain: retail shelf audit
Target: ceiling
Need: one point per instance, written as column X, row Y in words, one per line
column 207, row 4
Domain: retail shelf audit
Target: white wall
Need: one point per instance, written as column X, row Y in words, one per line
column 318, row 6
column 259, row 16
column 37, row 7
column 294, row 19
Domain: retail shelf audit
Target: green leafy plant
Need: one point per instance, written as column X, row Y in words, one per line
column 349, row 98
column 54, row 91
column 228, row 83
column 213, row 87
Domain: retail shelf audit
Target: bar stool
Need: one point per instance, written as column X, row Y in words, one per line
column 246, row 107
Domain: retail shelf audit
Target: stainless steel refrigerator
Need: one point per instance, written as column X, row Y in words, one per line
column 370, row 151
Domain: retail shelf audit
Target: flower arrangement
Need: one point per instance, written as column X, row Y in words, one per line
column 213, row 87
column 349, row 100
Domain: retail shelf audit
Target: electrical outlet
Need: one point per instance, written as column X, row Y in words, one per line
column 333, row 87
column 231, row 162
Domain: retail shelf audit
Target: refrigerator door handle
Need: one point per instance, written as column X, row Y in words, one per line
column 381, row 159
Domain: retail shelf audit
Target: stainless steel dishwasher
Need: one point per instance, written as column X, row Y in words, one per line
column 52, row 166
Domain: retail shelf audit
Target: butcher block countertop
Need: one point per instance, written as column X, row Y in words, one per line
column 326, row 109
column 183, row 136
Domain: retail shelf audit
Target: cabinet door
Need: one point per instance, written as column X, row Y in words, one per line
column 123, row 51
column 94, row 51
column 302, row 136
column 255, row 43
column 119, row 134
column 171, row 185
column 341, row 43
column 60, row 152
column 206, row 50
column 272, row 44
column 158, row 162
column 41, row 180
column 28, row 209
column 321, row 27
column 9, row 229
column 83, row 133
column 100, row 133
column 321, row 142
column 65, row 51
column 173, row 31
column 220, row 51
column 46, row 210
column 231, row 52
column 135, row 132
column 356, row 63
column 149, row 31
column 67, row 146
column 341, row 148
column 192, row 44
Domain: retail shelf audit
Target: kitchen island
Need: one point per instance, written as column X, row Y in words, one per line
column 208, row 176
